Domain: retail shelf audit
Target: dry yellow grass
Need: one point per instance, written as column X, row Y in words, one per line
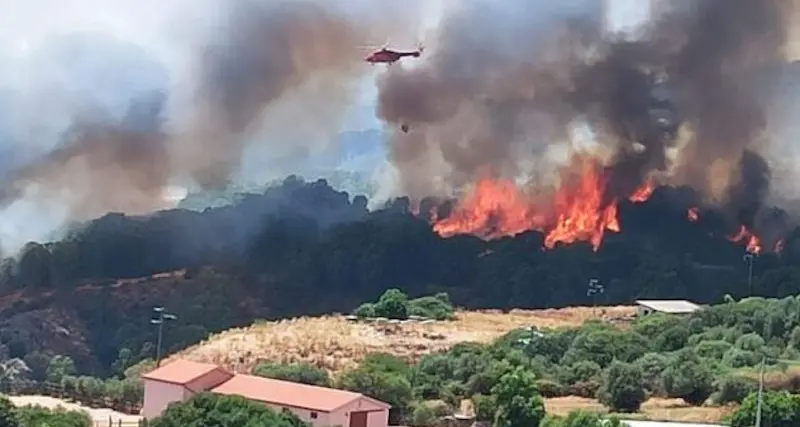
column 675, row 410
column 334, row 343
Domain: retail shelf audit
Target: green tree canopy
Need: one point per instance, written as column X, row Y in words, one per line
column 688, row 377
column 58, row 368
column 622, row 388
column 8, row 417
column 582, row 419
column 210, row 410
column 384, row 378
column 779, row 409
column 303, row 373
column 37, row 416
column 518, row 401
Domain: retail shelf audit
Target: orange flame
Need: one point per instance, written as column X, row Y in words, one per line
column 579, row 211
column 643, row 193
column 495, row 208
column 753, row 242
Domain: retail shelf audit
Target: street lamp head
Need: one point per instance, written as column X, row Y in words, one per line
column 170, row 317
column 158, row 309
column 155, row 321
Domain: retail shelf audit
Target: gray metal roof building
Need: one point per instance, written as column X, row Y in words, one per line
column 669, row 306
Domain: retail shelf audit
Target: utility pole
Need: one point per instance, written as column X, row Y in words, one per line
column 749, row 257
column 532, row 333
column 760, row 391
column 161, row 317
column 594, row 288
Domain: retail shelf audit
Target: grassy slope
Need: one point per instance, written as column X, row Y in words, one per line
column 335, row 343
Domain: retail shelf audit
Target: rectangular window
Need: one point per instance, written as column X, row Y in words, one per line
column 313, row 415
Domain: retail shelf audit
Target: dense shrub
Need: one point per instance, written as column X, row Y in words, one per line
column 622, row 387
column 436, row 307
column 394, row 304
column 297, row 372
column 38, row 416
column 734, row 389
column 778, row 409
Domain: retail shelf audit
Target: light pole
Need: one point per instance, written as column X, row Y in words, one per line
column 533, row 332
column 161, row 317
column 761, row 385
column 594, row 288
column 749, row 257
column 760, row 391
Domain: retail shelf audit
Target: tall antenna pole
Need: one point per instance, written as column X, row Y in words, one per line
column 760, row 392
column 161, row 317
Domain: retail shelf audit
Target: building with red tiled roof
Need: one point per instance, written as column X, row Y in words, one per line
column 178, row 381
column 319, row 406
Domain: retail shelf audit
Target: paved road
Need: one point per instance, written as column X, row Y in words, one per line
column 667, row 424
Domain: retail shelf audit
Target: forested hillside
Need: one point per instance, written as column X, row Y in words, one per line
column 304, row 248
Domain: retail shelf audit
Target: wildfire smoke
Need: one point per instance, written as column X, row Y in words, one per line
column 686, row 100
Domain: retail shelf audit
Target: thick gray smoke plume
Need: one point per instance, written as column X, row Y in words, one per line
column 490, row 90
column 109, row 119
column 683, row 102
column 102, row 163
column 263, row 51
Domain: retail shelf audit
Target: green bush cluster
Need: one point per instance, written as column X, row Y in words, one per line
column 394, row 304
column 56, row 377
column 205, row 409
column 779, row 409
column 119, row 394
column 303, row 373
column 38, row 416
column 708, row 356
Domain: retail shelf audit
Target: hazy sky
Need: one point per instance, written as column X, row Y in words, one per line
column 23, row 25
column 627, row 13
column 623, row 15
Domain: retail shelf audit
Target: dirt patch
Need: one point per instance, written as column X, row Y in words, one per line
column 675, row 410
column 97, row 414
column 335, row 343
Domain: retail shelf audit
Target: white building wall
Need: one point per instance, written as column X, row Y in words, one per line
column 315, row 418
column 158, row 395
column 378, row 418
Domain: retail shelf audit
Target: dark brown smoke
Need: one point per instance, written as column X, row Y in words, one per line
column 730, row 46
column 682, row 101
column 101, row 163
column 489, row 92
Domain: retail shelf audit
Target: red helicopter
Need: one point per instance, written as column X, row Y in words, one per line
column 388, row 56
